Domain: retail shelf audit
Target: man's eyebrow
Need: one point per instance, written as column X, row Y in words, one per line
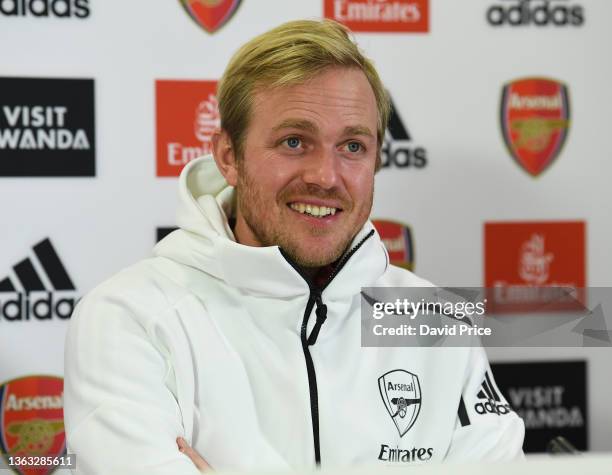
column 358, row 130
column 300, row 124
column 308, row 126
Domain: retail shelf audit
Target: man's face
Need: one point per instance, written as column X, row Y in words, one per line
column 306, row 179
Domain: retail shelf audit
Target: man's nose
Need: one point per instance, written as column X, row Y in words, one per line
column 322, row 169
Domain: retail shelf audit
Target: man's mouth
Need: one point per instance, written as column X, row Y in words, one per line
column 313, row 210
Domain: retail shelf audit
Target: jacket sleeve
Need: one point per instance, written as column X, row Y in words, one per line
column 486, row 429
column 120, row 415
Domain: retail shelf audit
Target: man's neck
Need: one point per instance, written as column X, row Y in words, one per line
column 318, row 276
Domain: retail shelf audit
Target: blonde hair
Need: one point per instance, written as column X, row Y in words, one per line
column 285, row 56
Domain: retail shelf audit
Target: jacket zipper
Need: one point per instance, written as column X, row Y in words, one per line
column 312, row 381
column 321, row 313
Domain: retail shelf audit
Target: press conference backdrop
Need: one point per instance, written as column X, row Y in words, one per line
column 496, row 165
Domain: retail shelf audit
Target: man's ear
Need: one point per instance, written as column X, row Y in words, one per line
column 225, row 156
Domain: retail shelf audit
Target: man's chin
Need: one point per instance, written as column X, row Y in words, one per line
column 311, row 260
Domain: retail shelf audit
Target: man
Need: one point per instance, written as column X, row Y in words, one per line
column 241, row 336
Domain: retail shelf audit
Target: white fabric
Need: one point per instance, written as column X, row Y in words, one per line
column 203, row 341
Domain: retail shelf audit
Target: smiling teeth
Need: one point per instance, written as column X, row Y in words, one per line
column 318, row 211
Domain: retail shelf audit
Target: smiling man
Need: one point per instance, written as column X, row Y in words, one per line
column 242, row 335
column 305, row 179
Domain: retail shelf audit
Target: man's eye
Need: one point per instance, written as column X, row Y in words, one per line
column 354, row 147
column 293, row 142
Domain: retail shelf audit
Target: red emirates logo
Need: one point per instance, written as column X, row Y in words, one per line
column 525, row 262
column 402, row 16
column 187, row 115
column 535, row 116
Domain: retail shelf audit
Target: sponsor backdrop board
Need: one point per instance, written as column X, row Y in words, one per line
column 47, row 127
column 551, row 397
column 495, row 163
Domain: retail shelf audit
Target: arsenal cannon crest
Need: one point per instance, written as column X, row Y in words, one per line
column 401, row 393
column 535, row 116
column 210, row 14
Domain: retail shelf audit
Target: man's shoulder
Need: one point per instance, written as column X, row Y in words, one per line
column 145, row 288
column 396, row 276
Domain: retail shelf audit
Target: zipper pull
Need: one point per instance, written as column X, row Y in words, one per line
column 321, row 313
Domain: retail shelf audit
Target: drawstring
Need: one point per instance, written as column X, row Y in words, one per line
column 321, row 313
column 315, row 290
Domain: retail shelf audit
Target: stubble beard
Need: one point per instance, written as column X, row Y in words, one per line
column 248, row 200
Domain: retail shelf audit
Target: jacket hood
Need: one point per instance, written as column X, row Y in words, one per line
column 206, row 242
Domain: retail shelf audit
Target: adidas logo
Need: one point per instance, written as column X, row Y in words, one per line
column 396, row 150
column 493, row 402
column 38, row 287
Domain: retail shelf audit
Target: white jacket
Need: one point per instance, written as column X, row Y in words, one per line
column 209, row 340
